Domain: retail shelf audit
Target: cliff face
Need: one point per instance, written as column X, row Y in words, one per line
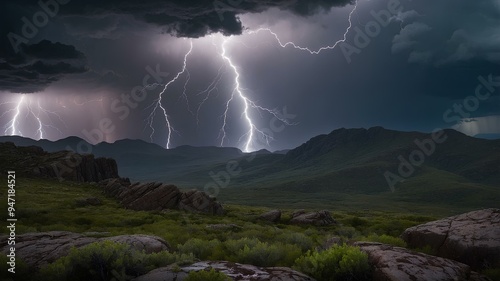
column 63, row 165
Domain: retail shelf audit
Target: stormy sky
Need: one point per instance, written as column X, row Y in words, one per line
column 109, row 70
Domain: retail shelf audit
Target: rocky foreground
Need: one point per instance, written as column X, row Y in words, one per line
column 476, row 233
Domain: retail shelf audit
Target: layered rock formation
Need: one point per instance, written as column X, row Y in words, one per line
column 157, row 196
column 472, row 238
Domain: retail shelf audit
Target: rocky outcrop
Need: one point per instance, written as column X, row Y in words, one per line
column 472, row 238
column 271, row 216
column 320, row 218
column 399, row 264
column 38, row 249
column 67, row 165
column 236, row 271
column 199, row 202
column 157, row 196
column 150, row 196
column 62, row 165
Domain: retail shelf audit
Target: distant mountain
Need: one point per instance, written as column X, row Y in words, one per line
column 346, row 161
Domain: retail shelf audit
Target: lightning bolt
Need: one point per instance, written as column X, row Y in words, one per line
column 11, row 125
column 248, row 104
column 306, row 49
column 25, row 103
column 158, row 103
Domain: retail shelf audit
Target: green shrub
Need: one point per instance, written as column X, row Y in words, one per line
column 300, row 239
column 346, row 231
column 201, row 249
column 386, row 239
column 108, row 260
column 203, row 275
column 356, row 222
column 337, row 263
column 264, row 254
column 164, row 258
column 97, row 261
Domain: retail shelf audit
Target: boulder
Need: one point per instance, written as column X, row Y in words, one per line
column 271, row 216
column 236, row 271
column 147, row 243
column 199, row 202
column 150, row 196
column 39, row 249
column 472, row 238
column 392, row 263
column 320, row 218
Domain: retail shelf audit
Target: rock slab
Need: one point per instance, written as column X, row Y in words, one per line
column 41, row 248
column 472, row 238
column 236, row 271
column 399, row 264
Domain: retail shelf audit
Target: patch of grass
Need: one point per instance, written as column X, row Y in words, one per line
column 204, row 275
column 385, row 239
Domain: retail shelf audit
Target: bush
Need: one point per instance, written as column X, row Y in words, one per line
column 201, row 249
column 264, row 254
column 107, row 260
column 337, row 263
column 296, row 238
column 203, row 275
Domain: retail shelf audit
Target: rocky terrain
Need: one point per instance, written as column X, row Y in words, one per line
column 40, row 248
column 399, row 264
column 157, row 196
column 236, row 271
column 63, row 165
column 472, row 238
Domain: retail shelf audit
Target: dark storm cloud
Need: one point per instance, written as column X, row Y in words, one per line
column 469, row 33
column 36, row 66
column 187, row 18
column 48, row 50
